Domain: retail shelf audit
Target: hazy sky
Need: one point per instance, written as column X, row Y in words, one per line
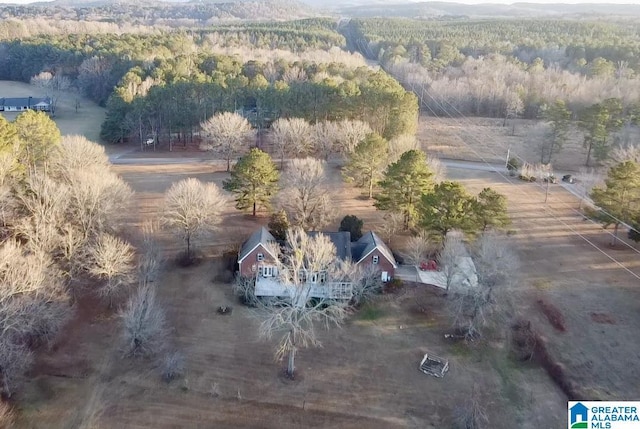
column 456, row 1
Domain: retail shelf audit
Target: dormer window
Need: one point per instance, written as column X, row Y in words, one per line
column 376, row 259
column 260, row 257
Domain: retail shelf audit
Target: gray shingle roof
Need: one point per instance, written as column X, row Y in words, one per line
column 367, row 243
column 342, row 241
column 345, row 249
column 260, row 236
column 23, row 101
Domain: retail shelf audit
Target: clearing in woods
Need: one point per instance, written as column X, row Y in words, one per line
column 367, row 372
column 486, row 139
column 86, row 121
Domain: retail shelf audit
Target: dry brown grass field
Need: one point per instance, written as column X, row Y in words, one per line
column 486, row 139
column 86, row 121
column 365, row 375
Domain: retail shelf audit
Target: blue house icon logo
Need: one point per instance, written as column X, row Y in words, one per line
column 579, row 418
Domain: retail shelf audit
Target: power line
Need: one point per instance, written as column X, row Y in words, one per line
column 443, row 108
column 620, row 264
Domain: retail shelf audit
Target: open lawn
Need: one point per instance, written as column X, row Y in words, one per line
column 568, row 261
column 366, row 375
column 486, row 139
column 86, row 121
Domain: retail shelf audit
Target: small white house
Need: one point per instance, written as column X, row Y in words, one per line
column 25, row 103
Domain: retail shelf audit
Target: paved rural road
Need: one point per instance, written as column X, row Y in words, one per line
column 122, row 159
column 492, row 167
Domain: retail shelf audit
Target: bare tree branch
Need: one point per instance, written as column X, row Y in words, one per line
column 306, row 261
column 305, row 195
column 144, row 326
column 291, row 137
column 111, row 262
column 417, row 249
column 497, row 266
column 450, row 260
column 228, row 134
column 192, row 208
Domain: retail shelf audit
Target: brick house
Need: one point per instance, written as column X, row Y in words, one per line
column 255, row 254
column 255, row 259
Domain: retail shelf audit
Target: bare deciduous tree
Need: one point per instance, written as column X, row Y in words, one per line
column 367, row 282
column 245, row 289
column 472, row 414
column 294, row 74
column 588, row 179
column 624, row 152
column 111, row 261
column 144, row 325
column 324, row 139
column 192, row 208
column 291, row 137
column 417, row 249
column 149, row 260
column 33, row 308
column 76, row 153
column 392, row 222
column 438, row 168
column 45, row 203
column 15, row 359
column 98, row 200
column 172, row 366
column 496, row 265
column 401, row 144
column 305, row 194
column 451, row 260
column 54, row 84
column 350, row 133
column 228, row 134
column 296, row 317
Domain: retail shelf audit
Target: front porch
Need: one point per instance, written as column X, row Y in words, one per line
column 271, row 286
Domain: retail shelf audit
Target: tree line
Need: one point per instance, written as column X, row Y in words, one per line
column 168, row 99
column 61, row 227
column 169, row 14
column 571, row 44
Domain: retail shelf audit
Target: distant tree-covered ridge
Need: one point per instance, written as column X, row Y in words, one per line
column 572, row 44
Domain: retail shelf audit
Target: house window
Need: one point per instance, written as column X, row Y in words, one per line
column 260, row 257
column 341, row 290
column 376, row 259
column 266, row 271
column 313, row 278
column 322, row 277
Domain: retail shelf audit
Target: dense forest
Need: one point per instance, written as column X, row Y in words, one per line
column 506, row 68
column 171, row 81
column 161, row 13
column 572, row 45
column 162, row 81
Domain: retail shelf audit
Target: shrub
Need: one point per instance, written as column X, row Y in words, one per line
column 393, row 286
column 172, row 366
column 529, row 345
column 553, row 313
column 144, row 326
column 353, row 225
column 244, row 288
column 513, row 164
